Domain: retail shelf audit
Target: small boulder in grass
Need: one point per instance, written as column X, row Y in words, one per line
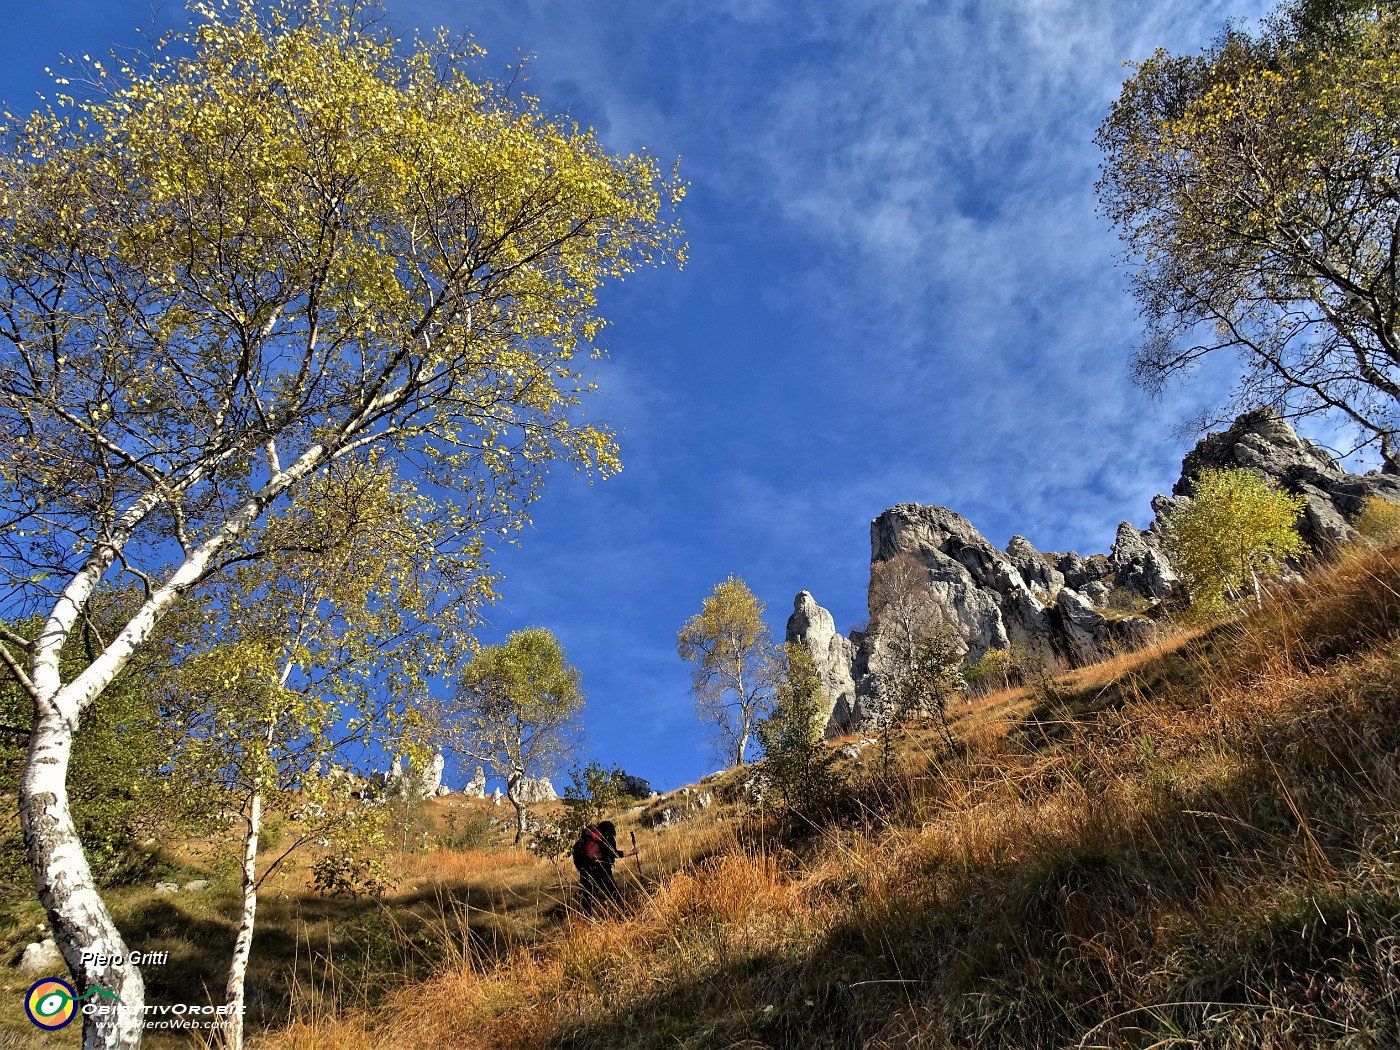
column 197, row 885
column 40, row 956
column 167, row 887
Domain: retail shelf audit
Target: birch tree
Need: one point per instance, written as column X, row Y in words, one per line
column 282, row 241
column 1236, row 527
column 905, row 612
column 515, row 711
column 117, row 790
column 735, row 665
column 918, row 642
column 318, row 654
column 1255, row 188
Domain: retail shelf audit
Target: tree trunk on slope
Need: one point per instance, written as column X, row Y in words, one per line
column 512, row 787
column 236, row 990
column 80, row 920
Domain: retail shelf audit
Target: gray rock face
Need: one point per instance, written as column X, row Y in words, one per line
column 997, row 599
column 430, row 778
column 1140, row 566
column 476, row 787
column 1261, row 440
column 813, row 627
column 1084, row 628
column 1097, row 591
column 535, row 789
column 978, row 583
column 1039, row 574
column 412, row 784
column 1049, row 604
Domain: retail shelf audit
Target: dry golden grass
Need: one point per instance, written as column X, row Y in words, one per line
column 1194, row 845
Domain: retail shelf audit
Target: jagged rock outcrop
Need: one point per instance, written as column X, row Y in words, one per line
column 412, row 784
column 997, row 599
column 476, row 787
column 430, row 778
column 1139, row 565
column 977, row 582
column 813, row 627
column 1084, row 626
column 530, row 790
column 1053, row 605
column 1038, row 573
column 1263, row 441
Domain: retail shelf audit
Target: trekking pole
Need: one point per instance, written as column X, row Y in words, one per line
column 636, row 852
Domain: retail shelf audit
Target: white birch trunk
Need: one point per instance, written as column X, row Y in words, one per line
column 243, row 944
column 80, row 920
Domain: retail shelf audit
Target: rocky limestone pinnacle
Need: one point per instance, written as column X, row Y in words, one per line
column 1054, row 605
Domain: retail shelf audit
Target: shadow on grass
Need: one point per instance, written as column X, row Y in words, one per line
column 310, row 949
column 1256, row 909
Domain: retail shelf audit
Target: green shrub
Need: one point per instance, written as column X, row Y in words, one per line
column 800, row 767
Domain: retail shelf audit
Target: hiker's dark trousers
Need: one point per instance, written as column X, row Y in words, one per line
column 596, row 880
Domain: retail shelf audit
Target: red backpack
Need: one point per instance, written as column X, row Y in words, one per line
column 589, row 847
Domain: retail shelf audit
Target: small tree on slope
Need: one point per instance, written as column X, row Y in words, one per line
column 1237, row 527
column 735, row 664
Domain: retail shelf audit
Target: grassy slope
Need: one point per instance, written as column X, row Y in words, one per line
column 1194, row 845
column 1190, row 846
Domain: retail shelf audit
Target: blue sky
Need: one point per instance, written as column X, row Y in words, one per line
column 898, row 291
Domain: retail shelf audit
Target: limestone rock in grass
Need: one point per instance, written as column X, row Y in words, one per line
column 40, row 956
column 167, row 887
column 855, row 747
column 756, row 788
column 531, row 790
column 496, row 797
column 196, row 885
column 1085, row 627
column 833, row 656
column 476, row 787
column 443, row 790
column 665, row 817
column 685, row 804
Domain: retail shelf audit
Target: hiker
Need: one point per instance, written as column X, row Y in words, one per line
column 595, row 853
